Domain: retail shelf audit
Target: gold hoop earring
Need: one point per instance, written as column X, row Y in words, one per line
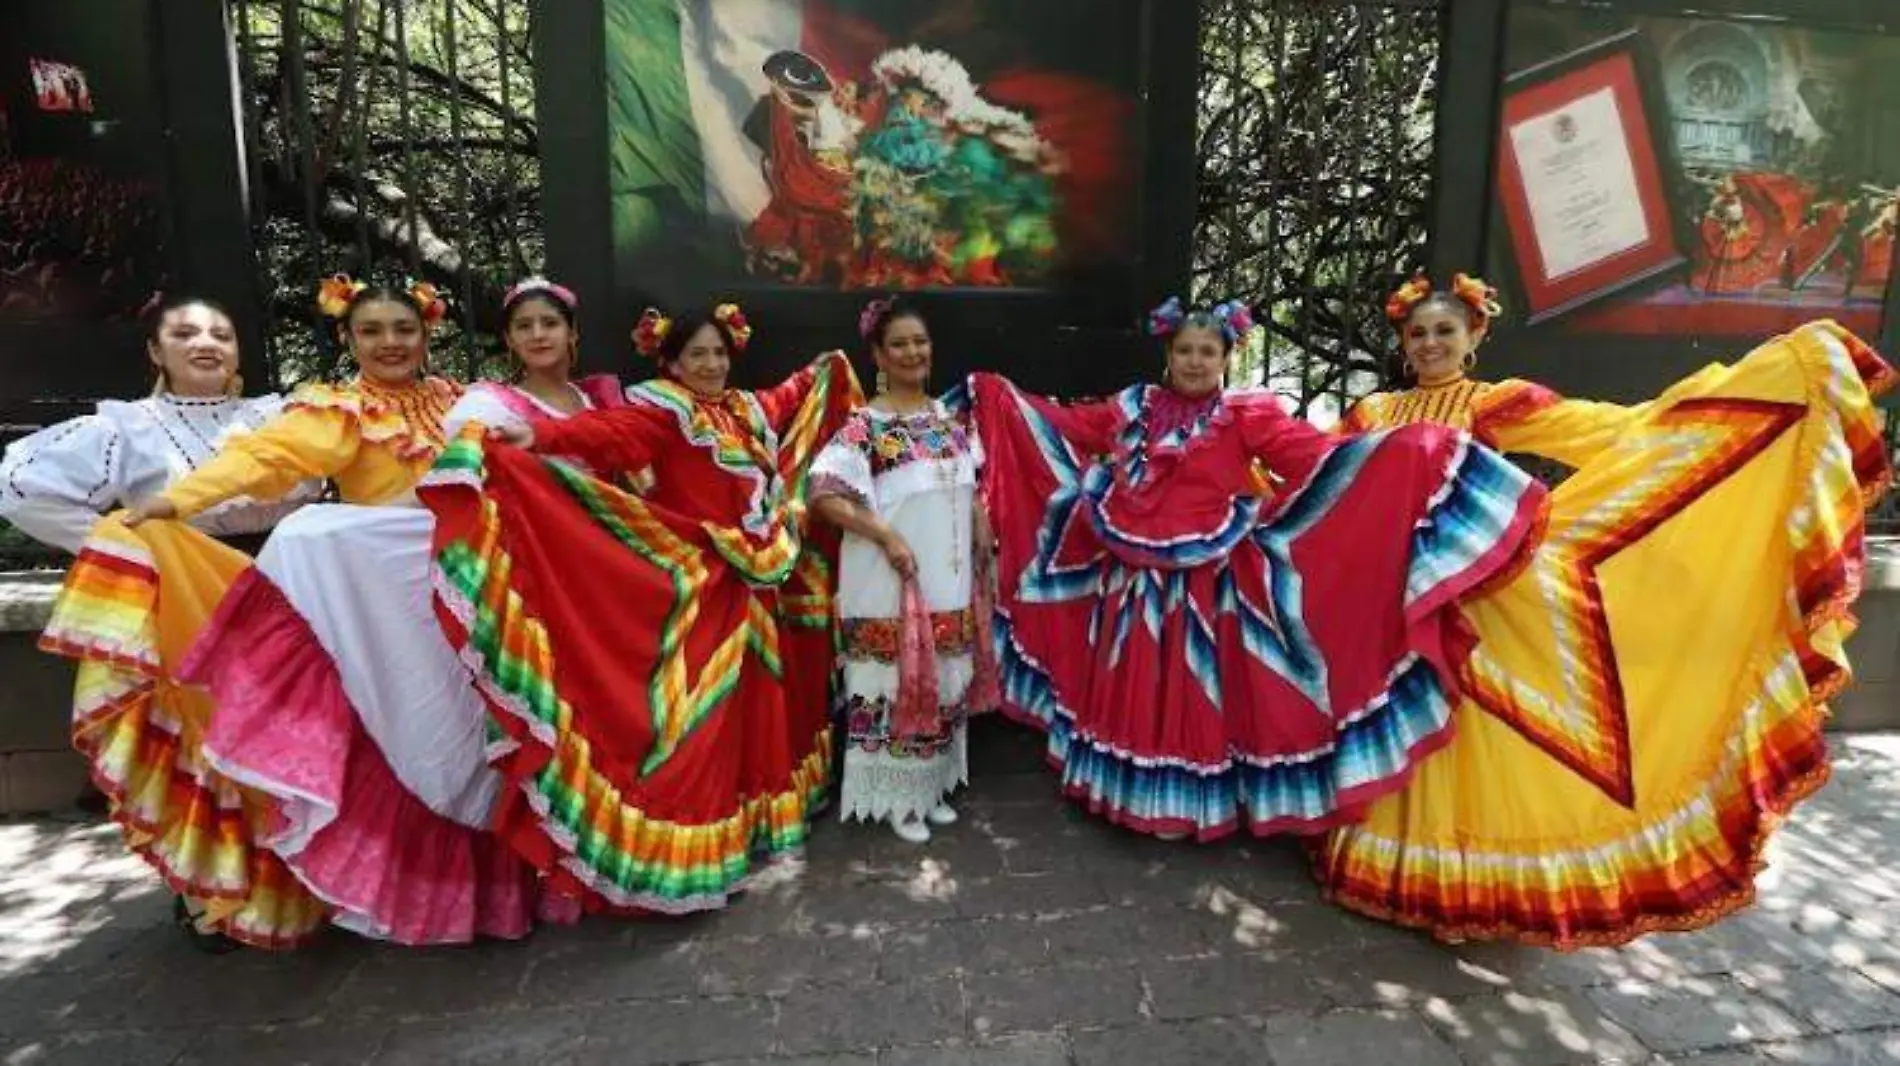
column 1470, row 361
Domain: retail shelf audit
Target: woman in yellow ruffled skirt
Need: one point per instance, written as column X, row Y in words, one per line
column 1646, row 700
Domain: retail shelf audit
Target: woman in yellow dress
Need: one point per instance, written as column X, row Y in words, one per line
column 1646, row 699
column 147, row 583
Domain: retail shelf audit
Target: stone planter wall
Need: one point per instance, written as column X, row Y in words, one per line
column 39, row 771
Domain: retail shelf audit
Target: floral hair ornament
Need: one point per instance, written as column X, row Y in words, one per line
column 1166, row 320
column 428, row 301
column 335, row 293
column 539, row 284
column 873, row 313
column 650, row 332
column 1399, row 305
column 1477, row 294
column 729, row 316
column 1236, row 319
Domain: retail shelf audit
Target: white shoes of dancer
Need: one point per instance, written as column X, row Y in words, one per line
column 916, row 831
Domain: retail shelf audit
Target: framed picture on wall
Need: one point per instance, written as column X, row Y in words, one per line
column 1582, row 184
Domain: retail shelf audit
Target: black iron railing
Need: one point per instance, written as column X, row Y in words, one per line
column 1315, row 149
column 391, row 138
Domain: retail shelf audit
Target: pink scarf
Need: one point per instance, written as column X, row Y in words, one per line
column 917, row 714
column 919, row 711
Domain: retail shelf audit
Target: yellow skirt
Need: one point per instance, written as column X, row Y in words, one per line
column 1645, row 703
column 133, row 603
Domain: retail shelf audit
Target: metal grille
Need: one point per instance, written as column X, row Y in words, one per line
column 1315, row 150
column 389, row 139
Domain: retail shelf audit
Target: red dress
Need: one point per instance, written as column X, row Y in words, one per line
column 656, row 665
column 1206, row 648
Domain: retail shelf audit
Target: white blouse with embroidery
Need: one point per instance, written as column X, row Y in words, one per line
column 56, row 483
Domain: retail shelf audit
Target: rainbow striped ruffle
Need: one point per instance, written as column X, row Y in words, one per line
column 141, row 733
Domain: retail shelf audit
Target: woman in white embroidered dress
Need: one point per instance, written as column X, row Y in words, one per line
column 900, row 480
column 142, row 735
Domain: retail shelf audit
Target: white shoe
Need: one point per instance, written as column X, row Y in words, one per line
column 912, row 831
column 942, row 814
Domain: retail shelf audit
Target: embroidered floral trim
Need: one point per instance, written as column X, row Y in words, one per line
column 868, row 729
column 890, row 441
column 953, row 633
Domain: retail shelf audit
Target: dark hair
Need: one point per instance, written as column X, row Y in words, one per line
column 378, row 293
column 685, row 326
column 155, row 315
column 1200, row 319
column 878, row 323
column 523, row 297
column 1442, row 300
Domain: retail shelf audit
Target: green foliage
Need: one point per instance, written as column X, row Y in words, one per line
column 394, row 140
column 21, row 552
column 1315, row 150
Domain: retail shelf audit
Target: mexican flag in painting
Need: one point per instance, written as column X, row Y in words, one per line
column 870, row 143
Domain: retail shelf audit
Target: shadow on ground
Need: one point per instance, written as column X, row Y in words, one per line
column 1028, row 933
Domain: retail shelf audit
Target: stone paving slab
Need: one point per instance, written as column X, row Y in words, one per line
column 1027, row 935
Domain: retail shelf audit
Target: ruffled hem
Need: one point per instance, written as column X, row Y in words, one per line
column 677, row 868
column 1484, row 525
column 1305, row 793
column 199, row 830
column 1702, row 880
column 343, row 822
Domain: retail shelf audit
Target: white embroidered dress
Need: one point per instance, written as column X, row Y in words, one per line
column 918, row 472
column 54, row 484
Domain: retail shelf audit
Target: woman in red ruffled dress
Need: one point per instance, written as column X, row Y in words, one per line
column 657, row 664
column 1210, row 646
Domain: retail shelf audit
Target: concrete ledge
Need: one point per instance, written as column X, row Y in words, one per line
column 1872, row 703
column 26, row 599
column 39, row 770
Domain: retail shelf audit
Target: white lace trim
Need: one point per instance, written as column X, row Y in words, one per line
column 879, row 787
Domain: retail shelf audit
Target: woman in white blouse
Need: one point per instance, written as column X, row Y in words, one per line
column 56, row 483
column 127, row 616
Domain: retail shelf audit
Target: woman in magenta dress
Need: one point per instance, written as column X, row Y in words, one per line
column 1221, row 616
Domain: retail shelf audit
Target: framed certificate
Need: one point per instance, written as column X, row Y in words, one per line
column 1581, row 179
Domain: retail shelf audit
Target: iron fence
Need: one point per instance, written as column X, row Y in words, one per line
column 1315, row 152
column 392, row 139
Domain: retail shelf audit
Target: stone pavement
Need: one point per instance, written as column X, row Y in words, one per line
column 1027, row 934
